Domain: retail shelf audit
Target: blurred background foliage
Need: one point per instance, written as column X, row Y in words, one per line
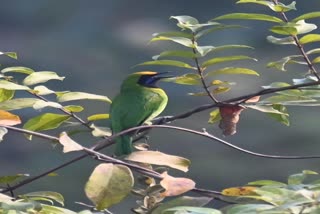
column 96, row 43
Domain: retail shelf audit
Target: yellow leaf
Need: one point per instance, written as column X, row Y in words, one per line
column 8, row 119
column 239, row 191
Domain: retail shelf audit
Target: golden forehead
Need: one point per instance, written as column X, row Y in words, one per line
column 146, row 73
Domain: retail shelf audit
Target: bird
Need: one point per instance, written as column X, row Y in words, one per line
column 140, row 100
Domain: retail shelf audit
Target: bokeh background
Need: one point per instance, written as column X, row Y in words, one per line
column 94, row 44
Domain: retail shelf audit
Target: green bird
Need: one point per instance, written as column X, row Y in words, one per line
column 139, row 101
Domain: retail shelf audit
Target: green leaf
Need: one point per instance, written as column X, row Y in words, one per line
column 285, row 99
column 98, row 117
column 281, row 41
column 8, row 179
column 18, row 69
column 180, row 40
column 297, row 179
column 249, row 16
column 47, row 194
column 42, row 90
column 174, row 34
column 216, row 60
column 41, row 77
column 3, row 132
column 316, row 60
column 6, row 94
column 185, row 20
column 214, row 116
column 185, row 54
column 73, row 108
column 232, row 70
column 191, row 23
column 45, row 121
column 4, row 84
column 182, row 201
column 40, row 104
column 108, row 185
column 191, row 210
column 307, row 16
column 70, row 96
column 249, row 209
column 265, row 109
column 279, row 7
column 280, row 64
column 314, row 51
column 216, row 28
column 18, row 103
column 197, row 94
column 282, row 118
column 310, row 38
column 47, row 209
column 167, row 63
column 220, row 89
column 187, row 79
column 204, row 50
column 159, row 158
column 10, row 54
column 267, row 183
column 284, row 29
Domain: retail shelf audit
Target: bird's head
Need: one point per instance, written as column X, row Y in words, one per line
column 145, row 78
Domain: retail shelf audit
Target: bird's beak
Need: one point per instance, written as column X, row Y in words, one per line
column 163, row 75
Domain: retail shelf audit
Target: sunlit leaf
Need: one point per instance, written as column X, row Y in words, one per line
column 182, row 201
column 280, row 64
column 6, row 94
column 187, row 79
column 18, row 103
column 239, row 191
column 46, row 194
column 42, row 90
column 204, row 50
column 45, row 121
column 180, row 40
column 307, row 16
column 282, row 118
column 316, row 60
column 303, row 27
column 5, row 198
column 249, row 16
column 175, row 186
column 175, row 53
column 98, row 117
column 12, row 86
column 9, row 119
column 159, row 158
column 314, row 51
column 18, row 69
column 41, row 77
column 108, row 185
column 310, row 38
column 10, row 54
column 232, row 70
column 70, row 96
column 284, row 29
column 198, row 94
column 174, row 63
column 214, row 116
column 216, row 60
column 55, row 210
column 191, row 23
column 73, row 108
column 8, row 179
column 265, row 109
column 68, row 144
column 216, row 28
column 40, row 104
column 3, row 132
column 99, row 131
column 220, row 89
column 174, row 34
column 281, row 41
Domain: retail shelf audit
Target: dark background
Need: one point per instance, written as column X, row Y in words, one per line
column 96, row 43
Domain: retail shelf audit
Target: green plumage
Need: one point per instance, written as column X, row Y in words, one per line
column 136, row 104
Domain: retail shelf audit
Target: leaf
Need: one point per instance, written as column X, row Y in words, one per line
column 41, row 77
column 10, row 54
column 159, row 158
column 216, row 60
column 214, row 116
column 303, row 27
column 184, row 54
column 5, row 198
column 185, row 20
column 249, row 16
column 239, row 191
column 3, row 132
column 220, row 89
column 191, row 23
column 40, row 104
column 198, row 94
column 98, row 117
column 216, row 28
column 285, row 99
column 46, row 194
column 100, row 131
column 232, row 70
column 73, row 108
column 307, row 16
column 4, row 84
column 18, row 103
column 284, row 29
column 310, row 38
column 70, row 96
column 182, row 201
column 108, row 185
column 250, row 209
column 174, row 63
column 17, row 69
column 266, row 109
column 180, row 40
column 6, row 94
column 280, row 64
column 313, row 51
column 187, row 79
column 175, row 186
column 267, row 183
column 9, row 179
column 47, row 209
column 68, row 144
column 174, row 34
column 297, row 179
column 45, row 121
column 278, row 7
column 281, row 41
column 282, row 118
column 230, row 116
column 9, row 119
column 316, row 60
column 42, row 90
column 192, row 210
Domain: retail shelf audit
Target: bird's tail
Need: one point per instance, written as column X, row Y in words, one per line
column 123, row 145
